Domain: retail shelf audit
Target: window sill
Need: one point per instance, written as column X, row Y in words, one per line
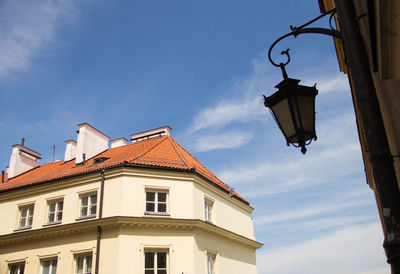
column 22, row 228
column 82, row 218
column 156, row 213
column 51, row 224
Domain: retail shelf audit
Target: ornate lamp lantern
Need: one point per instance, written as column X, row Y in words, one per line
column 293, row 108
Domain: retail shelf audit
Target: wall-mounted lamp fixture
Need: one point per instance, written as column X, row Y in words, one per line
column 293, row 105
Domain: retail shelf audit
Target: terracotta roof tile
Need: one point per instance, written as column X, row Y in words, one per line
column 162, row 152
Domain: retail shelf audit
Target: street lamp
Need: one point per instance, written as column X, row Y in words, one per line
column 293, row 105
column 293, row 108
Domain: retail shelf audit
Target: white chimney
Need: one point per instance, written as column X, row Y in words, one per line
column 118, row 142
column 90, row 142
column 152, row 133
column 70, row 150
column 22, row 159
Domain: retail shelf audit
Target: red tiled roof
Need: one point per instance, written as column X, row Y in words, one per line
column 162, row 152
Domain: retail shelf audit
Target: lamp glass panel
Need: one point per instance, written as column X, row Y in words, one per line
column 307, row 114
column 282, row 114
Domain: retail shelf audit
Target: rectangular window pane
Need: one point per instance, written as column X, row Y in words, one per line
column 17, row 268
column 59, row 216
column 46, row 267
column 84, row 201
column 210, row 263
column 162, row 208
column 162, row 271
column 207, row 210
column 29, row 221
column 52, row 207
column 161, row 260
column 149, row 260
column 150, row 207
column 51, row 217
column 88, row 264
column 150, row 196
column 22, row 221
column 60, row 205
column 54, row 266
column 84, row 210
column 93, row 199
column 93, row 210
column 79, row 265
column 162, row 197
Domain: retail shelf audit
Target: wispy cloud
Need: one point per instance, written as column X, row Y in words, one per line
column 227, row 112
column 347, row 251
column 26, row 28
column 321, row 209
column 213, row 127
column 222, row 140
column 326, row 84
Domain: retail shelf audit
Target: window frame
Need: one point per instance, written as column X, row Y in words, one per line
column 210, row 261
column 51, row 260
column 88, row 206
column 30, row 211
column 156, row 202
column 17, row 264
column 84, row 256
column 208, row 211
column 155, row 269
column 56, row 212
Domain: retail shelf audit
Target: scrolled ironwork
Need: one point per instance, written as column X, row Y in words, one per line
column 295, row 31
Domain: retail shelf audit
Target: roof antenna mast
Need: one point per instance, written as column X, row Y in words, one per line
column 54, row 151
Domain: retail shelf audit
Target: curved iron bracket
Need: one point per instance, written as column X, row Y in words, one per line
column 295, row 31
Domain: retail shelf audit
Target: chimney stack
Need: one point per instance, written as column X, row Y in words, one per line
column 118, row 142
column 22, row 159
column 152, row 133
column 90, row 142
column 70, row 150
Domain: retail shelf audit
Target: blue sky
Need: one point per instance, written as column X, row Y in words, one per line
column 201, row 68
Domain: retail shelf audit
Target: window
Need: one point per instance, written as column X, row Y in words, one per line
column 55, row 211
column 48, row 266
column 25, row 216
column 210, row 263
column 88, row 205
column 17, row 268
column 156, row 202
column 155, row 262
column 83, row 264
column 208, row 210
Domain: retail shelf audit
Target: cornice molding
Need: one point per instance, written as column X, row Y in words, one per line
column 145, row 223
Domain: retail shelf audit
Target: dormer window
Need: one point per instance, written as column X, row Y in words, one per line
column 99, row 160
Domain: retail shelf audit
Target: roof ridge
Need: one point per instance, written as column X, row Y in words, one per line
column 173, row 142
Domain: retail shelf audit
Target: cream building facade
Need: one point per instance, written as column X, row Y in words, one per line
column 144, row 207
